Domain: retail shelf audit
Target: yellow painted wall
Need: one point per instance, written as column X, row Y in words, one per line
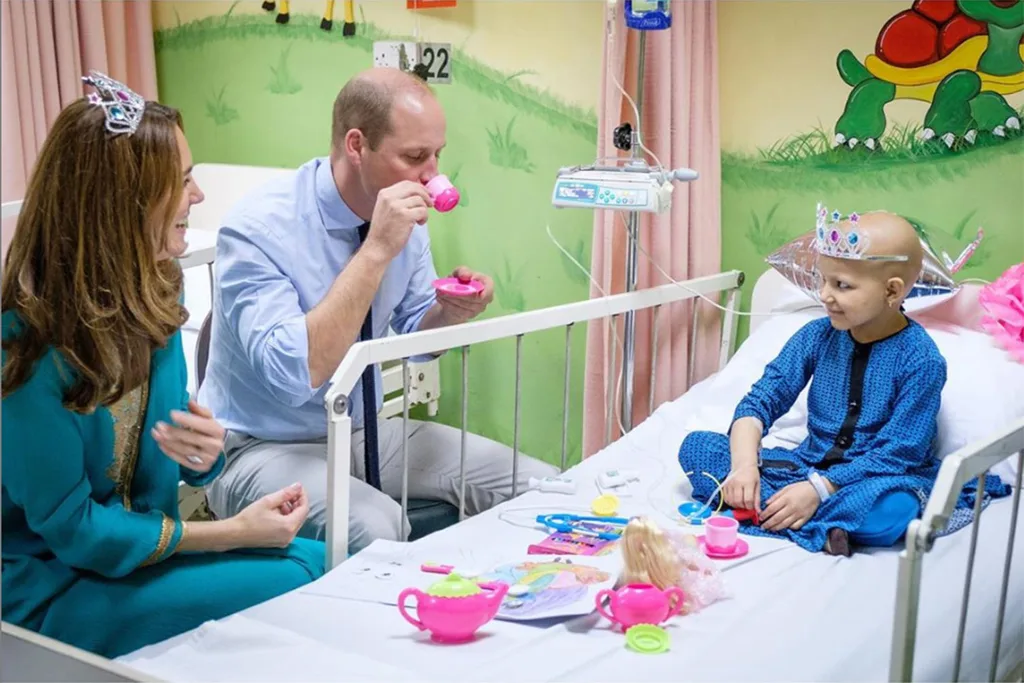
column 778, row 65
column 559, row 40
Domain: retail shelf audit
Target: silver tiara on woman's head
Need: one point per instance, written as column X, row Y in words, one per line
column 122, row 107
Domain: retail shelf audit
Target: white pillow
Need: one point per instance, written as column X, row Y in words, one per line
column 984, row 389
column 984, row 393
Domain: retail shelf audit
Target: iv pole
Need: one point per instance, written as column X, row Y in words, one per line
column 629, row 327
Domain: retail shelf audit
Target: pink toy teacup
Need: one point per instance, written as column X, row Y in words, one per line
column 720, row 533
column 640, row 603
column 442, row 193
column 454, row 608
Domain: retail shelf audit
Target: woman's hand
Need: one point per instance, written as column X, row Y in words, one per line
column 790, row 508
column 743, row 489
column 273, row 520
column 195, row 440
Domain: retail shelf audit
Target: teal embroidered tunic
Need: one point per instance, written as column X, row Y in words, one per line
column 90, row 517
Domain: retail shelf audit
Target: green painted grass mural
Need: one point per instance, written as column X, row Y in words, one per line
column 769, row 198
column 255, row 92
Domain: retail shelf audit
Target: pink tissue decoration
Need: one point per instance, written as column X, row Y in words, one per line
column 1003, row 301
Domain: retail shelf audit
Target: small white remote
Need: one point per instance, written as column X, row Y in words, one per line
column 611, row 479
column 553, row 485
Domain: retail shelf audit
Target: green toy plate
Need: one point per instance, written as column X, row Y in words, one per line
column 647, row 639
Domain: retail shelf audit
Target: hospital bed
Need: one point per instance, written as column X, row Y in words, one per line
column 933, row 610
column 884, row 614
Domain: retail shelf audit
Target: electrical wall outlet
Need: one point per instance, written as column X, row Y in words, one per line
column 397, row 54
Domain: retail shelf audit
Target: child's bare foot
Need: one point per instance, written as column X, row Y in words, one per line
column 838, row 543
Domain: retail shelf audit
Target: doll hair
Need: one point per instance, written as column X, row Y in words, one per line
column 648, row 555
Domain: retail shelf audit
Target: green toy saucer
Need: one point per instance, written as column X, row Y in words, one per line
column 647, row 639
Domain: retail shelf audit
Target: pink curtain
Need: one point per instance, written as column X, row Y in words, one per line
column 48, row 45
column 680, row 125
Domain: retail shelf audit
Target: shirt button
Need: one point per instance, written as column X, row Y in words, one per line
column 853, row 404
column 843, row 441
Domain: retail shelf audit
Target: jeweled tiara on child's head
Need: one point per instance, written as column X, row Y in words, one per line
column 122, row 107
column 830, row 240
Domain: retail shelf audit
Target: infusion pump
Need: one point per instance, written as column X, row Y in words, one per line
column 617, row 188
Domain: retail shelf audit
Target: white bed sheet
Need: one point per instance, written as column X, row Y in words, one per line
column 793, row 615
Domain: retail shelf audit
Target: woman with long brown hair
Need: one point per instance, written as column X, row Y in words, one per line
column 98, row 428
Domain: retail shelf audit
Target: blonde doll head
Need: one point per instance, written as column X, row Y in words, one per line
column 662, row 558
column 649, row 555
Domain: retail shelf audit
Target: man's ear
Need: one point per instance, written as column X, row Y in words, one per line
column 894, row 289
column 355, row 142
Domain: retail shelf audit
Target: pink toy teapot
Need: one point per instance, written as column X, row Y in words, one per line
column 454, row 608
column 640, row 603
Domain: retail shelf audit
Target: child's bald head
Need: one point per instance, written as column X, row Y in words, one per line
column 892, row 235
column 886, row 234
column 859, row 291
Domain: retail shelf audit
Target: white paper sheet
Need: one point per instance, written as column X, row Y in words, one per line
column 384, row 569
column 547, row 586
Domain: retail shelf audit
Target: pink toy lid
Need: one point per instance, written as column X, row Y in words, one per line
column 452, row 287
column 739, row 550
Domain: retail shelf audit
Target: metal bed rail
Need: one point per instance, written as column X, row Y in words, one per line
column 403, row 347
column 957, row 469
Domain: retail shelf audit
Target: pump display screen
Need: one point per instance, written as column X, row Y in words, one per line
column 583, row 192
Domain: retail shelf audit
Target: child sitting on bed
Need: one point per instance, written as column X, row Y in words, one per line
column 867, row 461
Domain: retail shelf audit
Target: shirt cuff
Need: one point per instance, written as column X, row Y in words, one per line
column 749, row 411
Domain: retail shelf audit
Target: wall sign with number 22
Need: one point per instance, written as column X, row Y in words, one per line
column 435, row 59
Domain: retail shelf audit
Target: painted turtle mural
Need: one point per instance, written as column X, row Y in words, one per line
column 961, row 56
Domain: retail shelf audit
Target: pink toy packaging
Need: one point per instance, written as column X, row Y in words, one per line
column 572, row 543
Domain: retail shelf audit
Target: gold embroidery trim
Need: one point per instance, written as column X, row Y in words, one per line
column 167, row 527
column 128, row 416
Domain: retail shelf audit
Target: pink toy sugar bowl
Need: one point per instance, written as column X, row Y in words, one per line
column 454, row 608
column 640, row 603
column 442, row 193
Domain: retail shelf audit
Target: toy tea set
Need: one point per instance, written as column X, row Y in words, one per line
column 720, row 540
column 444, row 197
column 455, row 608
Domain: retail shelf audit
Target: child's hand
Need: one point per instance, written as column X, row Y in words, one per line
column 743, row 490
column 791, row 507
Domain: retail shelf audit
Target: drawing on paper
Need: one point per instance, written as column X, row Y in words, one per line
column 552, row 586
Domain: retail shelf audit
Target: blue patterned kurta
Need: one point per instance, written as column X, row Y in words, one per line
column 871, row 441
column 91, row 526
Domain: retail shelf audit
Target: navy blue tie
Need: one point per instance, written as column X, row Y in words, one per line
column 371, row 457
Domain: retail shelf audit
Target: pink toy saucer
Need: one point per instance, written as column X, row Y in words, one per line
column 739, row 550
column 452, row 287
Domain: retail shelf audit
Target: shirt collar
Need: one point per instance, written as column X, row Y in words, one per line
column 335, row 212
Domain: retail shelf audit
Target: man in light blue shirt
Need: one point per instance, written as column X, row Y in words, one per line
column 293, row 287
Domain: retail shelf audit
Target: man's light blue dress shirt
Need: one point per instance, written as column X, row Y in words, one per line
column 278, row 253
